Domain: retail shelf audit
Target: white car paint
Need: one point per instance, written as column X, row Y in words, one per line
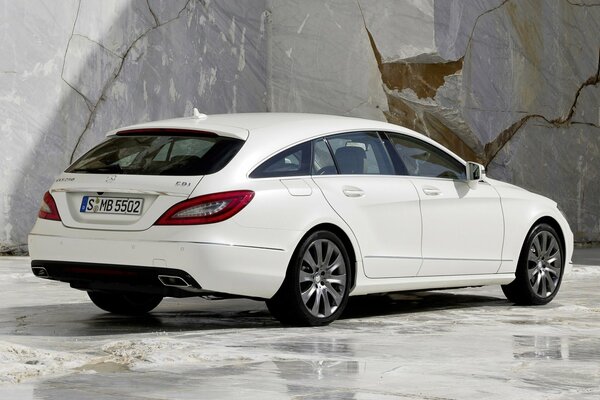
column 385, row 219
column 463, row 228
column 461, row 236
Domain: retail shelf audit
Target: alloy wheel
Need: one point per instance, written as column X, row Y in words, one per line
column 322, row 280
column 544, row 264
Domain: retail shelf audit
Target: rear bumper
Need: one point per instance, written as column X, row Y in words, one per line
column 166, row 282
column 213, row 267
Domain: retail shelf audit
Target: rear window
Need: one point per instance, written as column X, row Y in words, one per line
column 164, row 154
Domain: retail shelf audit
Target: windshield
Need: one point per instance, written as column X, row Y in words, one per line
column 148, row 154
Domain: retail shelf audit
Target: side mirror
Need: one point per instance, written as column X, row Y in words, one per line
column 475, row 173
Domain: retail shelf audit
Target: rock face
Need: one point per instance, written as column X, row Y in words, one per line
column 513, row 84
column 72, row 70
column 321, row 60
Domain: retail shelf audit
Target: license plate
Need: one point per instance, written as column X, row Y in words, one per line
column 111, row 205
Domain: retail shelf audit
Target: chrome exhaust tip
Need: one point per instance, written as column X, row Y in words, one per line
column 173, row 281
column 40, row 272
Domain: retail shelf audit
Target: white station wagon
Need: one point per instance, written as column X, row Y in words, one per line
column 298, row 210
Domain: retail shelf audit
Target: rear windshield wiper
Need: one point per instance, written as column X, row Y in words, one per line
column 114, row 168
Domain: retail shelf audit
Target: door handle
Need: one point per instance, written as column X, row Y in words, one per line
column 350, row 191
column 431, row 191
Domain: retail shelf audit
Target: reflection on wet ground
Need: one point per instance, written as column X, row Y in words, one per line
column 84, row 319
column 176, row 315
column 557, row 348
column 467, row 343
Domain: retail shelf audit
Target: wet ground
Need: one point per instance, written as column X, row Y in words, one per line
column 468, row 343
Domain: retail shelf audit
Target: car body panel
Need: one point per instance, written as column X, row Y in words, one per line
column 463, row 227
column 522, row 209
column 384, row 214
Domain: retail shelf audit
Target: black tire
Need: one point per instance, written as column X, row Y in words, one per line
column 324, row 281
column 125, row 303
column 540, row 268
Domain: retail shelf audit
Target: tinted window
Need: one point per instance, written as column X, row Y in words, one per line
column 294, row 161
column 360, row 153
column 422, row 159
column 143, row 154
column 323, row 163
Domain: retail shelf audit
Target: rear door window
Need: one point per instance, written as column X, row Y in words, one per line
column 164, row 154
column 360, row 153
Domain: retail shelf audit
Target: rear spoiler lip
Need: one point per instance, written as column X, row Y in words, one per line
column 165, row 132
column 192, row 126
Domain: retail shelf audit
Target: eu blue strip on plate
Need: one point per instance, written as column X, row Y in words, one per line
column 84, row 203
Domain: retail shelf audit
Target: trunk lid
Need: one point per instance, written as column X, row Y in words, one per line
column 153, row 195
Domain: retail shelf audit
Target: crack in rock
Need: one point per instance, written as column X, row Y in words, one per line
column 468, row 47
column 494, row 147
column 397, row 76
column 98, row 43
column 589, row 5
column 94, row 107
column 156, row 21
column 88, row 103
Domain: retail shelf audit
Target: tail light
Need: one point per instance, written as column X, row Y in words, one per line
column 48, row 209
column 206, row 209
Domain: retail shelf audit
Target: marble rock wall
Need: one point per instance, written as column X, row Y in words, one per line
column 71, row 70
column 514, row 84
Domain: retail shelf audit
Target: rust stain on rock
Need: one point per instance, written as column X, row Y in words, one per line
column 444, row 135
column 527, row 29
column 423, row 78
column 400, row 113
column 527, row 37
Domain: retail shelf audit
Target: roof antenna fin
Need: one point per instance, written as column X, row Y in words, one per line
column 198, row 115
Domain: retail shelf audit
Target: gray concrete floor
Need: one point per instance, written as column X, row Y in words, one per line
column 468, row 343
column 587, row 256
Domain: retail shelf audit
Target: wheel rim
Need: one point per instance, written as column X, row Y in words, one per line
column 322, row 278
column 544, row 264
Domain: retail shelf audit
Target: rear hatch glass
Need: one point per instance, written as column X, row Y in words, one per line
column 158, row 154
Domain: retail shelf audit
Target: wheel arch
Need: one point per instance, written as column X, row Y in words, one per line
column 344, row 237
column 556, row 226
column 521, row 290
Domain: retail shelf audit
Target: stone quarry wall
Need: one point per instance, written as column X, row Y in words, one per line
column 72, row 70
column 513, row 84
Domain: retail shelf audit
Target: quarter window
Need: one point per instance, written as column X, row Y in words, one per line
column 294, row 161
column 423, row 159
column 360, row 153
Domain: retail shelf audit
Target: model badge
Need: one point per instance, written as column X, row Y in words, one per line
column 111, row 179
